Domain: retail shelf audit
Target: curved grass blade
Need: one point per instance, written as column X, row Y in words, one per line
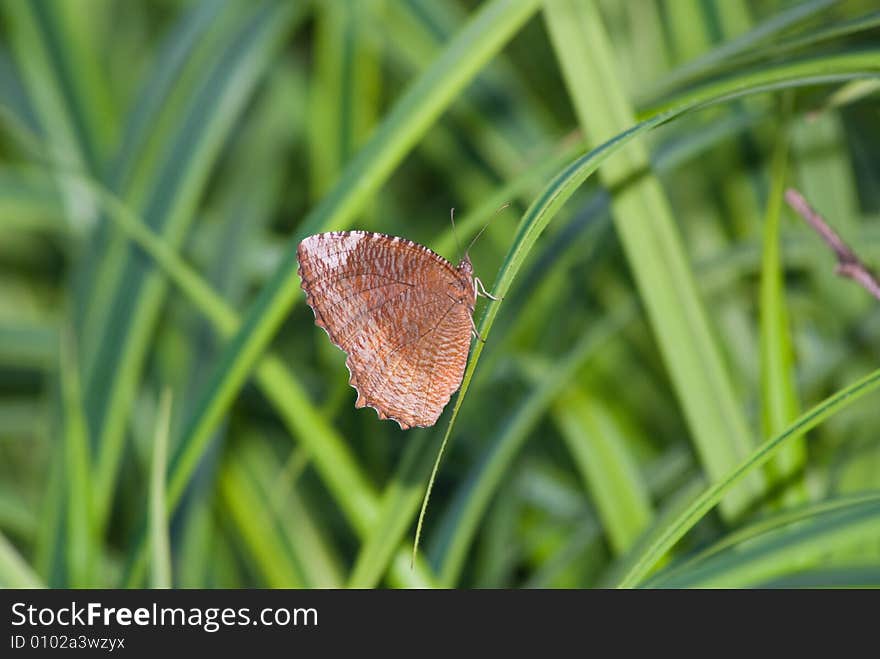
column 420, row 28
column 782, row 550
column 459, row 523
column 461, row 520
column 310, row 547
column 65, row 85
column 720, row 57
column 655, row 251
column 16, row 517
column 177, row 65
column 327, row 448
column 187, row 157
column 667, row 536
column 566, row 182
column 174, row 73
column 560, row 189
column 850, row 93
column 849, row 576
column 334, row 461
column 764, row 526
column 523, row 186
column 423, row 102
column 307, row 427
column 16, row 107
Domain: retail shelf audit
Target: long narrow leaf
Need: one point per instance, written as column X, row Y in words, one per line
column 563, row 186
column 160, row 545
column 655, row 252
column 778, row 388
column 81, row 548
column 780, row 551
column 668, row 535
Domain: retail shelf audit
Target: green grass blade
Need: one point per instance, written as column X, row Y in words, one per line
column 779, row 551
column 16, row 108
column 80, row 543
column 478, row 491
column 824, row 174
column 283, row 516
column 668, row 535
column 192, row 150
column 29, row 345
column 14, row 570
column 719, row 57
column 779, row 395
column 178, row 68
column 399, row 503
column 29, row 201
column 309, row 543
column 524, row 187
column 560, row 189
column 61, row 72
column 458, row 526
column 344, row 93
column 850, row 576
column 16, row 517
column 419, row 29
column 688, row 28
column 655, row 252
column 255, row 521
column 423, row 102
column 178, row 64
column 198, row 540
column 354, row 493
column 850, row 93
column 160, row 545
column 152, row 201
column 745, row 535
column 599, row 448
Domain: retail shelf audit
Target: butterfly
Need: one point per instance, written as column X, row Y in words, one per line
column 402, row 314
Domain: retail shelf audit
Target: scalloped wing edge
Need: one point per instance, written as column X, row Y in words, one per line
column 362, row 401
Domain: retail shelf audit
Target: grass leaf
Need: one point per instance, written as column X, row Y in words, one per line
column 779, row 395
column 667, row 536
column 159, row 543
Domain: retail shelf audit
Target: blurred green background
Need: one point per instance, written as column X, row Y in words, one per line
column 671, row 337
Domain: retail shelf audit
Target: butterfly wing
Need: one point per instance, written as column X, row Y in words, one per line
column 394, row 307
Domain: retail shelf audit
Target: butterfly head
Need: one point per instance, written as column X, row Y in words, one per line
column 462, row 290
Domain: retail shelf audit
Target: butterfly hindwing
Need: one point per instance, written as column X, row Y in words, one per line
column 400, row 312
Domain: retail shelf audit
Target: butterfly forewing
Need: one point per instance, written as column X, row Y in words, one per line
column 400, row 312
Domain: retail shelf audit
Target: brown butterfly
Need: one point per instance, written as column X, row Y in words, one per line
column 402, row 313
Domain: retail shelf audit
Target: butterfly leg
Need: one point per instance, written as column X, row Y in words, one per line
column 481, row 290
column 475, row 333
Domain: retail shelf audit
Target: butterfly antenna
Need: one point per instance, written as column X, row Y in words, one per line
column 454, row 232
column 485, row 226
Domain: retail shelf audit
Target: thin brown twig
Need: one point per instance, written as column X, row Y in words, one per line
column 848, row 263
